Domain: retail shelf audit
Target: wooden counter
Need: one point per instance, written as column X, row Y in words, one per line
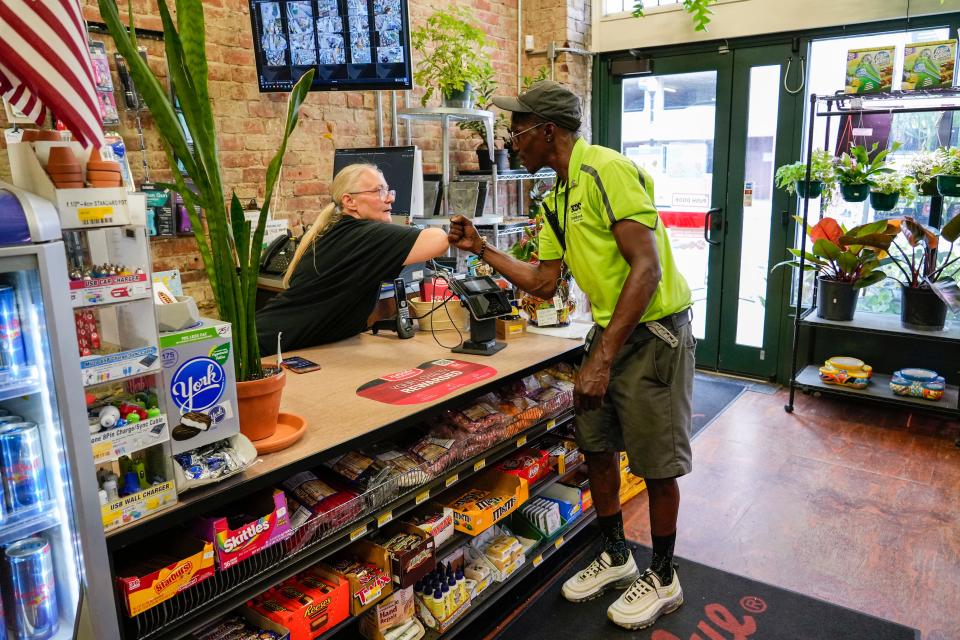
column 338, row 419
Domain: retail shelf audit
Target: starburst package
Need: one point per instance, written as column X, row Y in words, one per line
column 870, row 70
column 929, row 65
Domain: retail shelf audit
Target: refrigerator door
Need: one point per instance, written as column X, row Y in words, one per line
column 52, row 540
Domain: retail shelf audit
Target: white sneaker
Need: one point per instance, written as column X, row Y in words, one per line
column 645, row 601
column 598, row 577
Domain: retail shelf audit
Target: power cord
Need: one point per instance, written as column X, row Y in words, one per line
column 441, row 273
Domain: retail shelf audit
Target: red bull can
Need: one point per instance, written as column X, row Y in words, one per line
column 13, row 354
column 32, row 609
column 21, row 466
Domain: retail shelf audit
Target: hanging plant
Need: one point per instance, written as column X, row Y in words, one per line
column 698, row 9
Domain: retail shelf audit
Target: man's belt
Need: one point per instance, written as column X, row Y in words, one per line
column 666, row 328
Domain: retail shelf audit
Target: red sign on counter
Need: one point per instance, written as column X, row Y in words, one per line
column 429, row 381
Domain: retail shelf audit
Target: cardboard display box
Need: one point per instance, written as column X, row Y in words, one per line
column 491, row 498
column 409, row 566
column 258, row 620
column 438, row 523
column 529, row 464
column 511, row 329
column 270, row 526
column 308, row 604
column 142, row 588
column 387, row 614
column 199, row 391
column 366, row 551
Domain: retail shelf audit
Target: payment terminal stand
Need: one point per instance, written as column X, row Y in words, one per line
column 486, row 302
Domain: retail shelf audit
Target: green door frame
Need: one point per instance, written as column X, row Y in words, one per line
column 610, row 135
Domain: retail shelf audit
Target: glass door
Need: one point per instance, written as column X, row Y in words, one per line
column 674, row 124
column 711, row 130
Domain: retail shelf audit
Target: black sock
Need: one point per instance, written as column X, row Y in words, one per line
column 614, row 541
column 662, row 562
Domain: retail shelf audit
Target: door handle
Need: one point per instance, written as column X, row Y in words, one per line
column 708, row 225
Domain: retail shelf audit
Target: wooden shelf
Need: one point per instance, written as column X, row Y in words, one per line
column 879, row 389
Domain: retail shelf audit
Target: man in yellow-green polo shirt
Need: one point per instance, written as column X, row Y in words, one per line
column 634, row 386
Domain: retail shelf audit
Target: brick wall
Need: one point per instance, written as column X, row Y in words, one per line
column 249, row 123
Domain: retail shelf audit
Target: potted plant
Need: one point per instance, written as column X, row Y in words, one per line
column 225, row 241
column 886, row 189
column 792, row 178
column 855, row 169
column 484, row 91
column 948, row 179
column 845, row 262
column 923, row 168
column 453, row 59
column 922, row 263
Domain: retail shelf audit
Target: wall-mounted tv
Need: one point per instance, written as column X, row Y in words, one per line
column 352, row 44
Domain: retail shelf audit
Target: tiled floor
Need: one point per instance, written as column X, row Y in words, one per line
column 851, row 503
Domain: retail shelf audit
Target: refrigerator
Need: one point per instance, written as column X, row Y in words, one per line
column 53, row 554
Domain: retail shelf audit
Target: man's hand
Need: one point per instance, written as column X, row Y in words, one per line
column 463, row 235
column 591, row 384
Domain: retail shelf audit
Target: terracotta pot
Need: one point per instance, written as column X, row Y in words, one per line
column 259, row 405
column 61, row 156
column 49, row 135
column 29, row 135
column 103, row 165
column 104, row 176
column 68, row 185
column 104, row 185
column 66, row 176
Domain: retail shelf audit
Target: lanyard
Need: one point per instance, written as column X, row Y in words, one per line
column 560, row 232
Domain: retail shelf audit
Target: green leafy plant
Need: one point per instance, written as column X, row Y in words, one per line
column 924, row 166
column 893, row 183
column 452, row 50
column 698, row 9
column 542, row 74
column 857, row 166
column 821, row 168
column 842, row 255
column 484, row 92
column 949, row 158
column 921, row 259
column 227, row 242
column 527, row 248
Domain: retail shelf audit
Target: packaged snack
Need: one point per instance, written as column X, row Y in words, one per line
column 408, row 469
column 332, row 507
column 437, row 521
column 479, row 416
column 211, row 462
column 561, row 371
column 437, row 454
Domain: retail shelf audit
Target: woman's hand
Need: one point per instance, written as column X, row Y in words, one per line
column 463, row 235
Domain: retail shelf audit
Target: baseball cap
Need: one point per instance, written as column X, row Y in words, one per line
column 547, row 99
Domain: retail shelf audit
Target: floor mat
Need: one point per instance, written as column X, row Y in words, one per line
column 711, row 396
column 717, row 605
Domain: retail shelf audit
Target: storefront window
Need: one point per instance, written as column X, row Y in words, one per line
column 619, row 6
column 915, row 131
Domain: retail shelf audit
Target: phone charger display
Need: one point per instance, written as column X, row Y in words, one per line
column 251, row 527
column 199, row 391
column 178, row 315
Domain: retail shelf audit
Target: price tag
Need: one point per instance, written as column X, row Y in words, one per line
column 480, row 464
column 551, row 425
column 452, row 479
column 359, row 533
column 546, row 317
column 422, row 497
column 522, row 441
column 384, row 518
column 559, row 542
column 102, row 450
column 95, row 214
column 537, row 561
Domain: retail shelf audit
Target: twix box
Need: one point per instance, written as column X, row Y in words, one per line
column 146, row 577
column 307, row 604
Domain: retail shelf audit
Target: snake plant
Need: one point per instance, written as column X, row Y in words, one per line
column 228, row 244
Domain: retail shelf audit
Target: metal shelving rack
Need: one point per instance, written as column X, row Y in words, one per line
column 807, row 378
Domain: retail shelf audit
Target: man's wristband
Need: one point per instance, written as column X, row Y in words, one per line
column 483, row 247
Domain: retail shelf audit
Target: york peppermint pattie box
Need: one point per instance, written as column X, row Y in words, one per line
column 199, row 385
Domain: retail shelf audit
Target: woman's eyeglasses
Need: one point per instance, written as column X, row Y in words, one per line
column 383, row 192
column 514, row 136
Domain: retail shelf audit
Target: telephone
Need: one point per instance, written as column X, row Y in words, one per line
column 278, row 254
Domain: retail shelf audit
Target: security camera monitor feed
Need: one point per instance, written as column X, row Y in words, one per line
column 351, row 44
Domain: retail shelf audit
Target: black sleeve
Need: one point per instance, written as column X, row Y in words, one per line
column 379, row 250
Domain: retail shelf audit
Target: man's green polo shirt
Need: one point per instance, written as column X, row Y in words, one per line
column 606, row 187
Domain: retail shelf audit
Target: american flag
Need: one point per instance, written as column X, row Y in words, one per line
column 45, row 64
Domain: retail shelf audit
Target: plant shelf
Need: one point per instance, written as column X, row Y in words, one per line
column 879, row 389
column 884, row 323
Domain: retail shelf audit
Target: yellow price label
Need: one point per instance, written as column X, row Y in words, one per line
column 359, row 533
column 87, row 214
column 537, row 561
column 480, row 464
column 559, row 542
column 384, row 518
column 422, row 497
column 551, row 425
column 102, row 451
column 452, row 479
column 522, row 441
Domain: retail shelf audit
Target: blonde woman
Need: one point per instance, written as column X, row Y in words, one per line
column 333, row 282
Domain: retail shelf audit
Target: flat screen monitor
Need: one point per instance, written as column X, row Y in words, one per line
column 401, row 168
column 352, row 44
